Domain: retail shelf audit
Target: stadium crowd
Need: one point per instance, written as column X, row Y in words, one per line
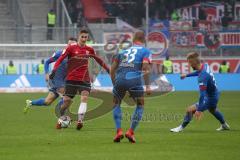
column 133, row 12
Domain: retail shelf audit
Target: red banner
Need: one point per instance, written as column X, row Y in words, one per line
column 213, row 40
column 183, row 38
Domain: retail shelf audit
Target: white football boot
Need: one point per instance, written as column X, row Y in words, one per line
column 223, row 127
column 177, row 129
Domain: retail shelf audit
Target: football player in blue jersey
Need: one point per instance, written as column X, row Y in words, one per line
column 56, row 85
column 209, row 94
column 127, row 70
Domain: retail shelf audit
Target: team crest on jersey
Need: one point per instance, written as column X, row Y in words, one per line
column 157, row 42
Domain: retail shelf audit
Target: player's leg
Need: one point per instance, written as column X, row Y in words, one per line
column 70, row 92
column 82, row 109
column 58, row 82
column 219, row 116
column 84, row 88
column 119, row 93
column 44, row 101
column 67, row 101
column 64, row 105
column 187, row 118
column 60, row 92
column 41, row 101
column 50, row 98
column 52, row 95
column 211, row 105
column 136, row 117
column 138, row 94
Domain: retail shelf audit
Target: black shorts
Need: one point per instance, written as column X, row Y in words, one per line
column 74, row 87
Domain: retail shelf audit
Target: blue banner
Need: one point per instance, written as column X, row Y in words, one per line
column 225, row 82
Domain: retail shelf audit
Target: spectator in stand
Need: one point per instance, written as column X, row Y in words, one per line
column 11, row 69
column 224, row 67
column 174, row 16
column 51, row 21
column 40, row 67
column 167, row 67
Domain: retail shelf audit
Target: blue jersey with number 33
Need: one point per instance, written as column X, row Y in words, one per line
column 130, row 62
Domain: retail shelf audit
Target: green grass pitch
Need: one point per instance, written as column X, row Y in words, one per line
column 33, row 136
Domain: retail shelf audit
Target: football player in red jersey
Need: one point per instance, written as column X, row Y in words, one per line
column 78, row 79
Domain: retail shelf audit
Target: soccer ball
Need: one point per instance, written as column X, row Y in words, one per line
column 65, row 121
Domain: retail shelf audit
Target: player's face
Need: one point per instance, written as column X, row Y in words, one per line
column 193, row 63
column 83, row 37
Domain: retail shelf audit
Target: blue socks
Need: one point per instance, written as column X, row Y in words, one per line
column 218, row 115
column 136, row 117
column 39, row 102
column 117, row 116
column 187, row 119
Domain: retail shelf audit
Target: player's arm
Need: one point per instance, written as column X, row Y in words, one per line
column 100, row 61
column 50, row 60
column 114, row 67
column 59, row 61
column 193, row 74
column 146, row 68
column 46, row 68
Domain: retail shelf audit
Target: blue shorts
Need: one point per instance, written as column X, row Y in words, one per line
column 208, row 103
column 55, row 84
column 121, row 87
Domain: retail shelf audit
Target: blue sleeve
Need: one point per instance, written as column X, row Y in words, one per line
column 46, row 65
column 147, row 55
column 193, row 74
column 50, row 60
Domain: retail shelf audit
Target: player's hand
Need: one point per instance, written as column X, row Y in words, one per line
column 51, row 76
column 183, row 76
column 46, row 77
column 148, row 90
column 198, row 115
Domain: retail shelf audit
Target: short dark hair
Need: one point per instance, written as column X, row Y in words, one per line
column 83, row 31
column 72, row 39
column 224, row 62
column 139, row 36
